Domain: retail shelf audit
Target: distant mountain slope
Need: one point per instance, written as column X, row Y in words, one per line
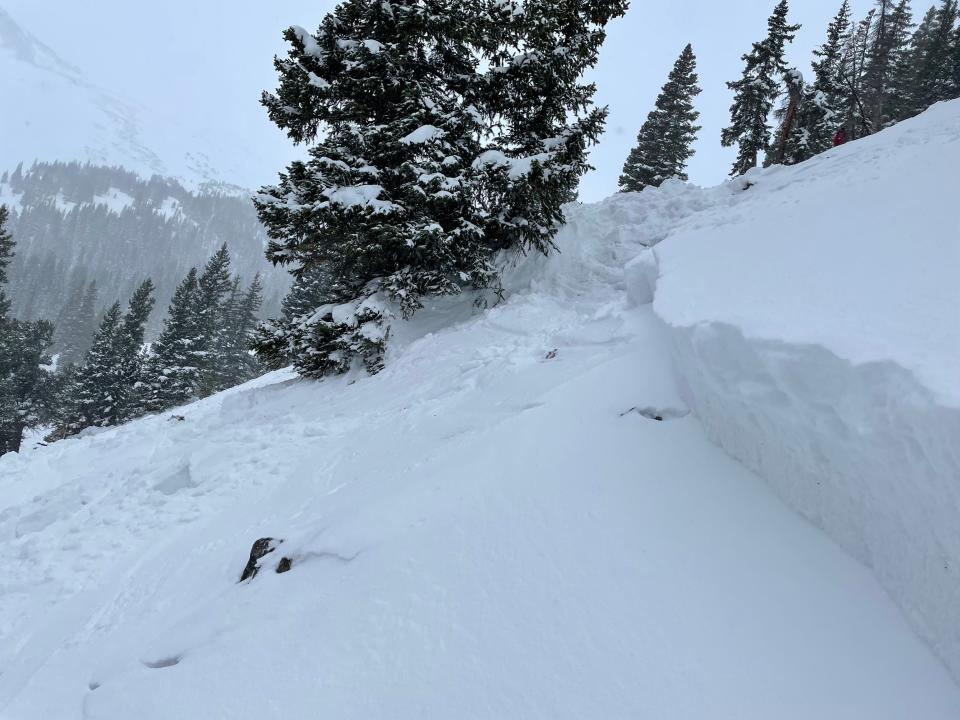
column 51, row 111
column 80, row 223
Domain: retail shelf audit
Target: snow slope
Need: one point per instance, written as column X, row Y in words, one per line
column 52, row 111
column 495, row 526
column 828, row 359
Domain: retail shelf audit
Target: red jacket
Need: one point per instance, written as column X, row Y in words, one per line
column 839, row 137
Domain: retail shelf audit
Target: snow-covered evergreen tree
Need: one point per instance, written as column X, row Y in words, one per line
column 792, row 142
column 439, row 133
column 88, row 399
column 105, row 389
column 889, row 41
column 131, row 359
column 77, row 324
column 233, row 361
column 172, row 372
column 213, row 306
column 665, row 141
column 757, row 90
column 25, row 385
column 936, row 55
column 6, row 256
column 954, row 86
column 855, row 57
column 821, row 102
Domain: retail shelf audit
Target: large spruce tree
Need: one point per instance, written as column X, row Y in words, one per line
column 234, row 363
column 757, row 90
column 665, row 141
column 821, row 107
column 213, row 306
column 87, row 399
column 129, row 374
column 105, row 389
column 25, row 385
column 439, row 133
column 6, row 257
column 177, row 357
column 933, row 80
column 889, row 42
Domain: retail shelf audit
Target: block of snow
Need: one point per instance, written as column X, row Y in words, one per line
column 640, row 275
column 815, row 320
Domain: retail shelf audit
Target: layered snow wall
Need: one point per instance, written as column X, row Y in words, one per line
column 814, row 317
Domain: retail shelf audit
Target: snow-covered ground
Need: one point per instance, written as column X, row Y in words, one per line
column 517, row 518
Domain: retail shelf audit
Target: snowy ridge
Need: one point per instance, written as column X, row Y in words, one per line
column 827, row 362
column 497, row 525
column 52, row 112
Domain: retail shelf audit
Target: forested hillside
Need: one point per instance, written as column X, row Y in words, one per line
column 83, row 228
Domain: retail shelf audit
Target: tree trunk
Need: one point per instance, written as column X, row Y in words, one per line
column 11, row 435
column 787, row 126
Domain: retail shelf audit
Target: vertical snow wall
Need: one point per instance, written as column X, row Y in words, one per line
column 814, row 317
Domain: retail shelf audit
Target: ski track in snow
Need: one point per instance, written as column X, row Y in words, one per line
column 494, row 526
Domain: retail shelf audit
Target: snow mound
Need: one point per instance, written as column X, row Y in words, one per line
column 518, row 517
column 815, row 322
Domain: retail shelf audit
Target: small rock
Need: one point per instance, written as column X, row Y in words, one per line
column 261, row 547
column 284, row 565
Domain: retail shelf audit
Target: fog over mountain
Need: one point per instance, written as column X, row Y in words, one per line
column 55, row 112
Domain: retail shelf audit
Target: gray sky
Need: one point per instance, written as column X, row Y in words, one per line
column 206, row 61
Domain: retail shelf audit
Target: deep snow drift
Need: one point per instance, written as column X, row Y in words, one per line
column 815, row 320
column 495, row 526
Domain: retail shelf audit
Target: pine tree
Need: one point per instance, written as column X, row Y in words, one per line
column 665, row 141
column 129, row 371
column 934, row 77
column 855, row 57
column 792, row 138
column 234, row 362
column 306, row 293
column 904, row 70
column 88, row 400
column 213, row 303
column 6, row 257
column 954, row 86
column 77, row 324
column 172, row 372
column 424, row 161
column 820, row 111
column 25, row 385
column 821, row 104
column 890, row 37
column 757, row 90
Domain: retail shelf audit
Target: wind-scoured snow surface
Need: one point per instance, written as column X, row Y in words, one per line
column 815, row 319
column 517, row 518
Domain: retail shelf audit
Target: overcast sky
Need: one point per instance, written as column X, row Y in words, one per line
column 206, row 61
